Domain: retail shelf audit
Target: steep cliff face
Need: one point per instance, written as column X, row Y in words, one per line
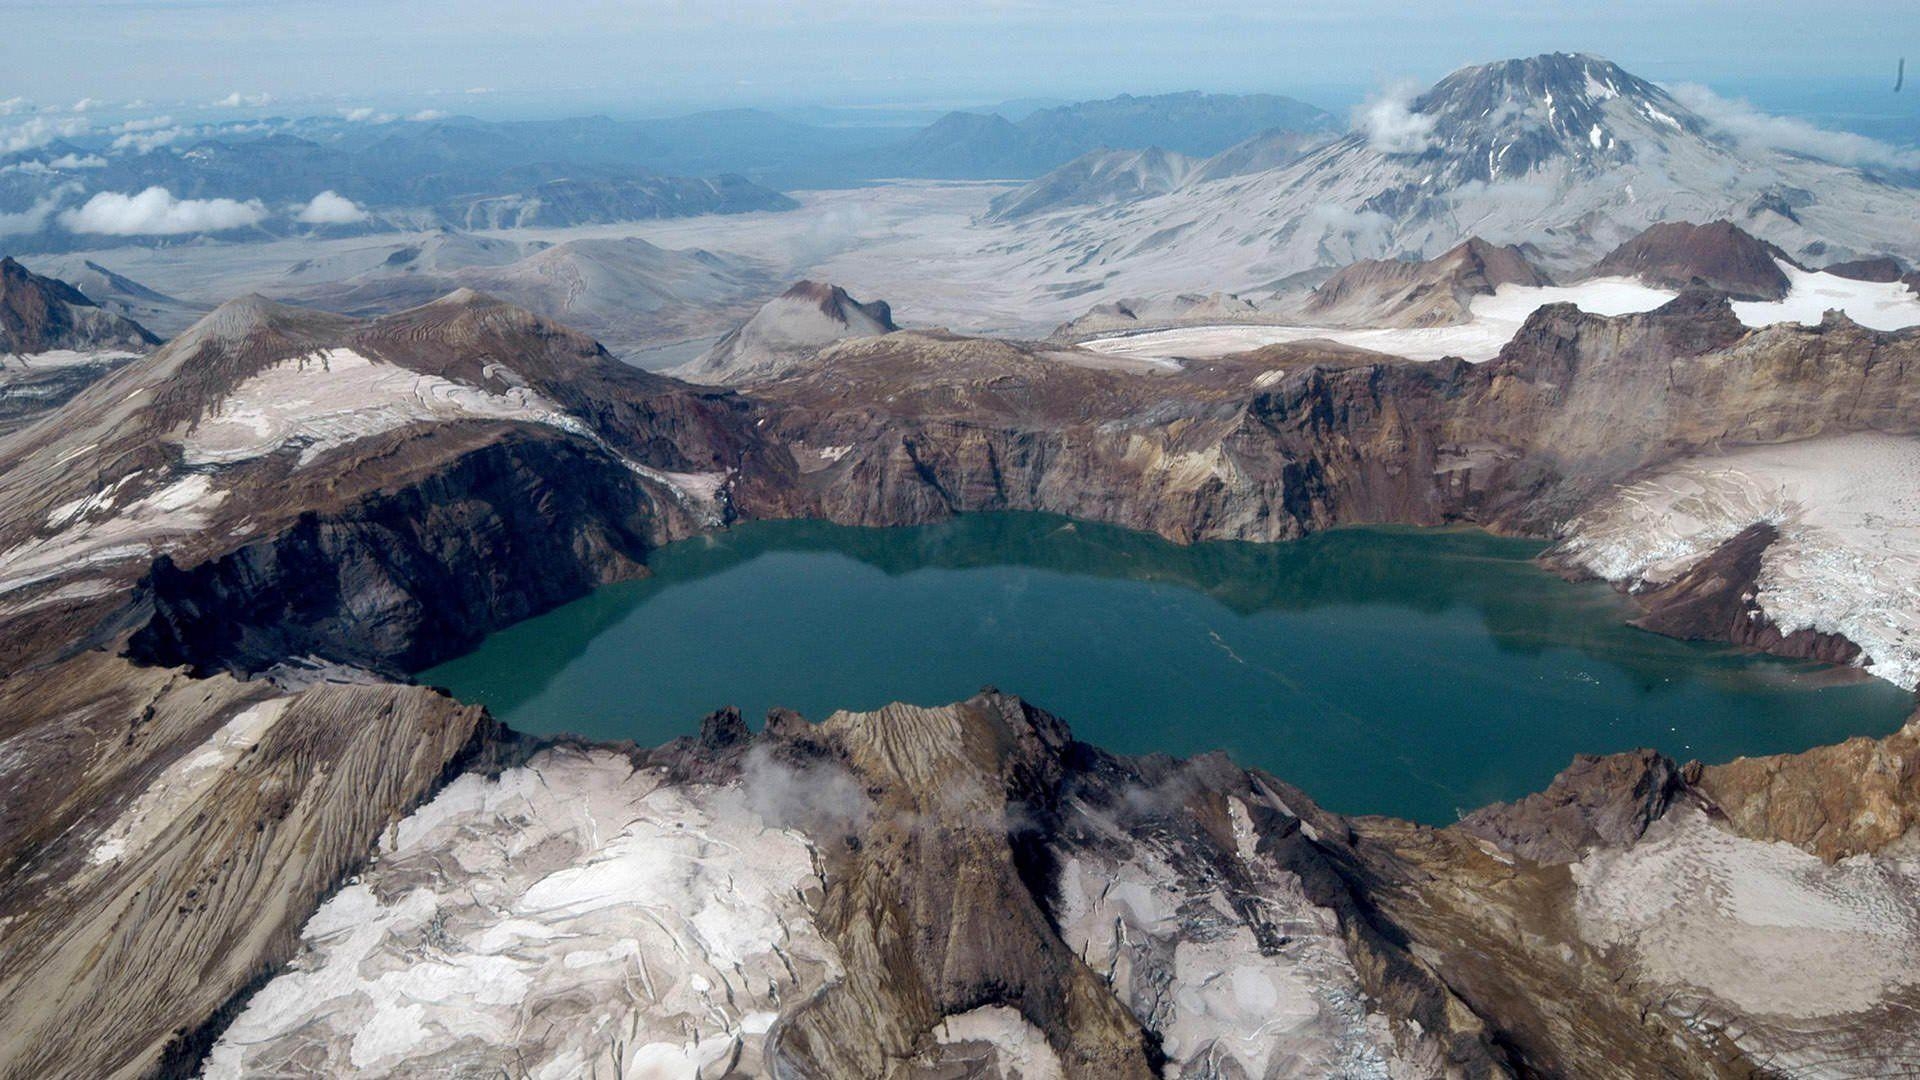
column 1269, row 444
column 400, row 579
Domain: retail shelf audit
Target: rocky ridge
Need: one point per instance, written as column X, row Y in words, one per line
column 1436, row 292
column 785, row 331
column 1719, row 255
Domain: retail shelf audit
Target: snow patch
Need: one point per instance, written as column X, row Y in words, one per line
column 332, row 397
column 1495, row 319
column 1888, row 305
column 136, row 530
column 1848, row 558
column 572, row 916
column 1765, row 927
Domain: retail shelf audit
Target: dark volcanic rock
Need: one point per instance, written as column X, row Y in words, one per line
column 1714, row 601
column 1676, row 253
column 1882, row 269
column 38, row 314
column 1597, row 801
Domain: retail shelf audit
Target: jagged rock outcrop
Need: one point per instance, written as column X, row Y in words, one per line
column 786, row 331
column 1436, row 292
column 1714, row 600
column 976, row 892
column 1596, row 802
column 54, row 343
column 39, row 314
column 1674, row 254
column 966, row 888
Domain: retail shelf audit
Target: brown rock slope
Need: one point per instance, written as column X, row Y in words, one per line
column 40, row 313
column 785, row 330
column 1271, row 444
column 165, row 837
column 1720, row 254
column 54, row 342
column 1436, row 292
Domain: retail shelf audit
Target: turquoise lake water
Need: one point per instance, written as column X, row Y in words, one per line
column 1418, row 673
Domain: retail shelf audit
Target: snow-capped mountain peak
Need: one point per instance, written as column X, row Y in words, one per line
column 1507, row 119
column 1566, row 155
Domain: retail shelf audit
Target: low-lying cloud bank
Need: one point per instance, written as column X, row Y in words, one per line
column 155, row 212
column 1753, row 129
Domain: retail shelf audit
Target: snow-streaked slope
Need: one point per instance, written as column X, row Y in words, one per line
column 1568, row 153
column 1848, row 558
column 1496, row 318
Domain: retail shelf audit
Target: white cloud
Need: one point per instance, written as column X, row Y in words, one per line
column 427, row 114
column 155, row 212
column 1754, row 129
column 87, row 104
column 63, row 163
column 1366, row 228
column 9, row 106
column 148, row 123
column 331, row 208
column 145, row 142
column 1391, row 125
column 38, row 131
column 238, row 100
column 34, row 218
column 364, row 115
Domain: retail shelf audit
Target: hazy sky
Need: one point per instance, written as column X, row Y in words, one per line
column 637, row 56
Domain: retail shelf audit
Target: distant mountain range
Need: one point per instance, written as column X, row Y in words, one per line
column 969, row 145
column 466, row 173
